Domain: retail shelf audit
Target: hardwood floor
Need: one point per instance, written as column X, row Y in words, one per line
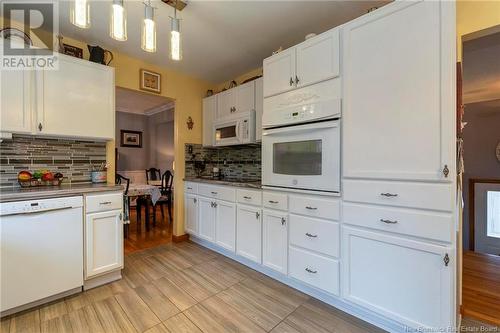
column 481, row 287
column 160, row 234
column 183, row 287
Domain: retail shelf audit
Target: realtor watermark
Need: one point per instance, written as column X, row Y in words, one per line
column 28, row 31
column 485, row 329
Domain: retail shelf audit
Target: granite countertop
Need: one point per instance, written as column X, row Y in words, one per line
column 19, row 193
column 228, row 182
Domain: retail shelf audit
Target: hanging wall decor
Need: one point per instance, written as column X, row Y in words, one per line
column 190, row 123
column 150, row 81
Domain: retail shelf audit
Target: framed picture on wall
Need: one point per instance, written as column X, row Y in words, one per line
column 131, row 139
column 150, row 81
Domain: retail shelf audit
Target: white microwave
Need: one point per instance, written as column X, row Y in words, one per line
column 235, row 130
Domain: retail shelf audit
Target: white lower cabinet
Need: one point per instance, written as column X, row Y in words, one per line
column 406, row 280
column 103, row 242
column 275, row 240
column 206, row 225
column 191, row 214
column 225, row 234
column 249, row 233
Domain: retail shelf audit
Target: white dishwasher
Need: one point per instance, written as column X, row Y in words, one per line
column 41, row 249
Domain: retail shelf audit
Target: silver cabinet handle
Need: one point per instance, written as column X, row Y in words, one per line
column 446, row 259
column 273, row 202
column 121, row 217
column 388, row 221
column 296, row 80
column 214, row 193
column 215, row 204
column 40, row 127
column 308, row 270
column 283, row 221
column 311, row 235
column 386, row 194
column 194, row 200
column 189, row 188
column 446, row 171
column 257, row 215
column 311, row 208
column 291, row 81
column 105, row 203
column 247, row 197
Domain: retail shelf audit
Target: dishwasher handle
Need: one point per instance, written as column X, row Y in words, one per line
column 31, row 212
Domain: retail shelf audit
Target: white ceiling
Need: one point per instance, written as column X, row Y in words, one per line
column 481, row 69
column 221, row 39
column 133, row 101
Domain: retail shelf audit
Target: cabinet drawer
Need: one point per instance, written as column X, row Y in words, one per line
column 275, row 200
column 430, row 225
column 103, row 202
column 250, row 197
column 217, row 192
column 316, row 207
column 401, row 194
column 313, row 234
column 316, row 270
column 190, row 187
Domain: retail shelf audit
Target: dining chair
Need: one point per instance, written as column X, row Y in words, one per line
column 152, row 174
column 118, row 181
column 167, row 180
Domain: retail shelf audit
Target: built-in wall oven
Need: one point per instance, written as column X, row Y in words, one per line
column 301, row 140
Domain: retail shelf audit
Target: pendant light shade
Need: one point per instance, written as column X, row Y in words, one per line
column 80, row 13
column 118, row 21
column 148, row 43
column 175, row 38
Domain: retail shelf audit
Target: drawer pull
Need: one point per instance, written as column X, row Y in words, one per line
column 105, row 203
column 389, row 194
column 273, row 202
column 308, row 270
column 388, row 221
column 311, row 235
column 213, row 193
column 189, row 188
column 311, row 208
column 247, row 197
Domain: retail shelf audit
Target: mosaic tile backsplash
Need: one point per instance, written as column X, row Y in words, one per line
column 72, row 158
column 243, row 162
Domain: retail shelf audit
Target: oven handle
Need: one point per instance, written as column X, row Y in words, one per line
column 301, row 128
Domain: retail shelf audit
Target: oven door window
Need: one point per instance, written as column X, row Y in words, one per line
column 301, row 158
column 225, row 132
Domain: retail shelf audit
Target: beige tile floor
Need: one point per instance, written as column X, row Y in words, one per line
column 183, row 287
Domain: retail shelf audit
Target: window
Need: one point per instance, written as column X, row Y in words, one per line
column 493, row 214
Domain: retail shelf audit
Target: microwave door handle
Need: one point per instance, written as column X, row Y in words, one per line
column 238, row 134
column 301, row 128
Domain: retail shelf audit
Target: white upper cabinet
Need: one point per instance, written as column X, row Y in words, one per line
column 209, row 109
column 16, row 102
column 406, row 280
column 191, row 214
column 76, row 100
column 279, row 72
column 399, row 93
column 318, row 58
column 259, row 108
column 236, row 100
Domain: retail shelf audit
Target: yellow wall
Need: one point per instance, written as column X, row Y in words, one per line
column 473, row 16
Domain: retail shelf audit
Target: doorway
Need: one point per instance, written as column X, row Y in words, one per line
column 481, row 177
column 145, row 158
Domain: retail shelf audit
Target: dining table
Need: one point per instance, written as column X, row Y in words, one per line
column 147, row 191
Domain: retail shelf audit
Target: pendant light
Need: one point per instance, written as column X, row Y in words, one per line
column 80, row 13
column 148, row 43
column 118, row 21
column 175, row 37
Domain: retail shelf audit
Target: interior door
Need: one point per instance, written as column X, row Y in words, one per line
column 206, row 222
column 191, row 214
column 76, row 100
column 318, row 58
column 279, row 72
column 399, row 88
column 226, row 225
column 249, row 233
column 487, row 218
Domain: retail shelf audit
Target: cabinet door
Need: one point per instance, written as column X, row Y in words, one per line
column 103, row 242
column 259, row 108
column 206, row 219
column 409, row 281
column 226, row 103
column 225, row 225
column 279, row 72
column 16, row 101
column 318, row 58
column 399, row 93
column 249, row 233
column 275, row 240
column 209, row 109
column 191, row 214
column 77, row 100
column 245, row 97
